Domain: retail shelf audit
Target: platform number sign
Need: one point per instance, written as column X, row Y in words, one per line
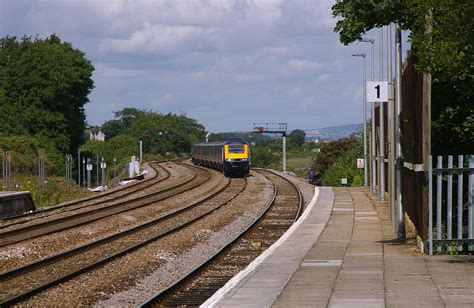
column 377, row 91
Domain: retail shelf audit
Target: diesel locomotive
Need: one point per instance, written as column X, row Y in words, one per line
column 231, row 156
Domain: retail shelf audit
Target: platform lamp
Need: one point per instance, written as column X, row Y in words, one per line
column 365, row 115
column 373, row 165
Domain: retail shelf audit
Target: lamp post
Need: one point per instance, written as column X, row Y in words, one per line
column 381, row 126
column 373, row 165
column 398, row 132
column 365, row 115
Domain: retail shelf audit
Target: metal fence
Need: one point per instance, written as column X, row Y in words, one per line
column 453, row 202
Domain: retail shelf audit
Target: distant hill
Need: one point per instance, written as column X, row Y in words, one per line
column 332, row 133
column 325, row 133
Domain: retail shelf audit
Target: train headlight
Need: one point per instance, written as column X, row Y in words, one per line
column 228, row 160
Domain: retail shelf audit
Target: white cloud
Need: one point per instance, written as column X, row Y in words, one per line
column 213, row 59
column 304, row 65
column 160, row 39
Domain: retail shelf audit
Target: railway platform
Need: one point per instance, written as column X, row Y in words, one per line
column 344, row 253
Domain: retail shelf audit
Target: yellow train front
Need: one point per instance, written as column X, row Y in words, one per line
column 231, row 157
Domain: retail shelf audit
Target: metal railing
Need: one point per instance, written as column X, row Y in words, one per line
column 447, row 183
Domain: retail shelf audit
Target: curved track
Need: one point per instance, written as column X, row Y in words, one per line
column 198, row 285
column 88, row 201
column 53, row 225
column 28, row 280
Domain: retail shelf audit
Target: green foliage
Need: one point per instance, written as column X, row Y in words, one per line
column 54, row 192
column 454, row 130
column 263, row 157
column 164, row 136
column 360, row 16
column 166, row 133
column 440, row 31
column 345, row 166
column 123, row 121
column 332, row 151
column 43, row 89
column 296, row 139
column 441, row 36
column 24, row 152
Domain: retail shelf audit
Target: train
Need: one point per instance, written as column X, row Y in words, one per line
column 232, row 157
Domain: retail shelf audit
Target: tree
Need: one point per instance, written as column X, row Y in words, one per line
column 441, row 32
column 24, row 151
column 160, row 133
column 43, row 89
column 331, row 151
column 441, row 36
column 296, row 138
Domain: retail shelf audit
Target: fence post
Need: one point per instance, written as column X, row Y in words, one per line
column 430, row 205
column 3, row 169
column 79, row 168
column 470, row 226
column 449, row 222
column 439, row 192
column 40, row 167
column 8, row 158
column 460, row 182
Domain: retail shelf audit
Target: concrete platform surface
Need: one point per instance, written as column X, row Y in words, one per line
column 343, row 253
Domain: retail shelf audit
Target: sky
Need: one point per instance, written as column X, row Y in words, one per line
column 226, row 63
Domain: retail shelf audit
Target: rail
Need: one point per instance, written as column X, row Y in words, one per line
column 42, row 265
column 199, row 295
column 62, row 223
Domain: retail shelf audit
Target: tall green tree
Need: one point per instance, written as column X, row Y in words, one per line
column 44, row 85
column 441, row 34
column 296, row 138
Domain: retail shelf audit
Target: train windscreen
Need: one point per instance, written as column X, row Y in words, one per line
column 236, row 148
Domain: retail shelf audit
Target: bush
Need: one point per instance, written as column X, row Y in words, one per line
column 332, row 151
column 338, row 159
column 24, row 152
column 345, row 167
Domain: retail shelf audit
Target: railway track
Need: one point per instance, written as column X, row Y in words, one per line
column 25, row 281
column 199, row 284
column 109, row 196
column 200, row 176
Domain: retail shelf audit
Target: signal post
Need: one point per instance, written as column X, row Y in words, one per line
column 274, row 128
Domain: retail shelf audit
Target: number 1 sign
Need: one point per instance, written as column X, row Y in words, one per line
column 377, row 91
